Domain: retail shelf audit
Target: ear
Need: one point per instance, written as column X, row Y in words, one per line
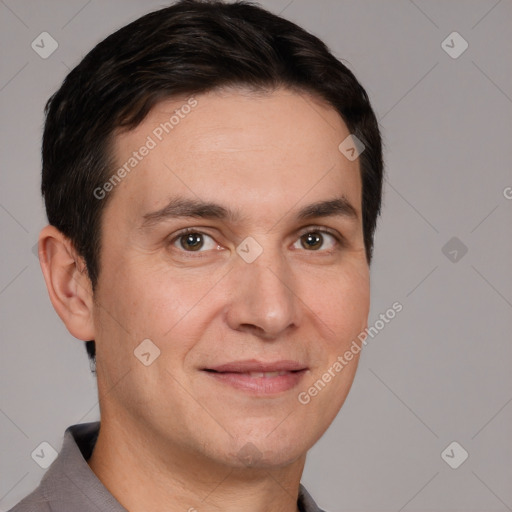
column 68, row 283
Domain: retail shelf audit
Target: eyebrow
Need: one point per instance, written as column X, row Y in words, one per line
column 179, row 207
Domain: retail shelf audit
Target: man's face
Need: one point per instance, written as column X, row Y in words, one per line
column 241, row 333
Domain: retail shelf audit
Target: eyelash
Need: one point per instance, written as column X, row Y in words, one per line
column 340, row 240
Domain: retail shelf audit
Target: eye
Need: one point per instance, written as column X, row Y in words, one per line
column 194, row 241
column 315, row 240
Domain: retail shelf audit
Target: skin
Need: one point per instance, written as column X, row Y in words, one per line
column 171, row 434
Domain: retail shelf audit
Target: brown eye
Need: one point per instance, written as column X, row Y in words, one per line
column 191, row 241
column 318, row 240
column 312, row 240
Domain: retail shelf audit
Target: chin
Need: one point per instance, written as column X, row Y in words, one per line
column 267, row 449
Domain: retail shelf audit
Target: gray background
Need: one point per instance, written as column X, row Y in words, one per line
column 439, row 372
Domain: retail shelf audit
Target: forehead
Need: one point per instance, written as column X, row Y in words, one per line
column 261, row 151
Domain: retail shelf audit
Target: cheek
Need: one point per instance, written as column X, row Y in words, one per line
column 341, row 308
column 342, row 303
column 148, row 301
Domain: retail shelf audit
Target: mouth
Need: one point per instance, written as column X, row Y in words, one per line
column 258, row 377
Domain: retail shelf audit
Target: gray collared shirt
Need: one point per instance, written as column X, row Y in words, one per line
column 70, row 485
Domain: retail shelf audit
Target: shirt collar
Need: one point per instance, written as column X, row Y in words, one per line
column 69, row 483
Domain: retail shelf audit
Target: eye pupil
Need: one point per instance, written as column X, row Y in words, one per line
column 192, row 241
column 313, row 240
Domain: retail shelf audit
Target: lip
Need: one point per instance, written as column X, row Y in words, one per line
column 253, row 365
column 259, row 377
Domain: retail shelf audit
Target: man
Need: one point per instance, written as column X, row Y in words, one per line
column 212, row 177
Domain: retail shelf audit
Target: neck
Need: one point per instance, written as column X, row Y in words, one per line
column 144, row 475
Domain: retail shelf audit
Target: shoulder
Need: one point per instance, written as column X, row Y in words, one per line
column 54, row 492
column 34, row 502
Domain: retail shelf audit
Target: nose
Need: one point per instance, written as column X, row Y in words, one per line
column 262, row 300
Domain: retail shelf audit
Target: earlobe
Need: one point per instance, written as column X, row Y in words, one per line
column 67, row 281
